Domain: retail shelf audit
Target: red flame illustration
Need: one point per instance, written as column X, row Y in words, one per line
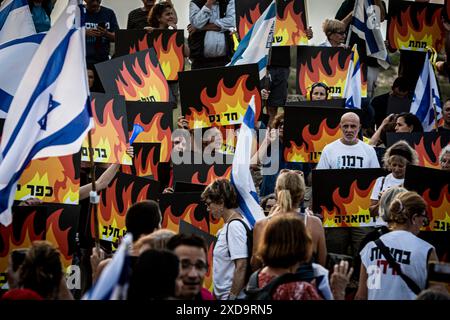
column 211, row 176
column 290, row 28
column 144, row 166
column 150, row 86
column 172, row 222
column 314, row 143
column 402, row 30
column 59, row 238
column 55, row 172
column 245, row 24
column 171, row 58
column 424, row 158
column 438, row 210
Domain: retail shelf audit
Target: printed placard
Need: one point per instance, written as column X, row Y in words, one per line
column 428, row 145
column 415, row 26
column 110, row 133
column 52, row 180
column 342, row 197
column 168, row 45
column 291, row 24
column 247, row 13
column 327, row 65
column 201, row 173
column 123, row 191
column 145, row 161
column 219, row 96
column 136, row 77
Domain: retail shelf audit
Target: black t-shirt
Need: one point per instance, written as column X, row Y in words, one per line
column 281, row 57
column 97, row 49
column 137, row 19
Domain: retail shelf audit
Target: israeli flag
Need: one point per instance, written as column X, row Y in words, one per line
column 255, row 46
column 366, row 24
column 15, row 20
column 240, row 171
column 352, row 91
column 114, row 280
column 18, row 53
column 426, row 104
column 50, row 114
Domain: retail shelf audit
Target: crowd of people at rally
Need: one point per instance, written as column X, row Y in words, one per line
column 290, row 245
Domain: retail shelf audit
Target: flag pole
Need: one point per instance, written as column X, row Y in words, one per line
column 93, row 196
column 433, row 58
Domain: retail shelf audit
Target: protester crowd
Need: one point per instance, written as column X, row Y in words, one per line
column 287, row 255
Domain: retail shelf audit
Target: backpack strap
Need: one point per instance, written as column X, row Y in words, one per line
column 394, row 265
column 247, row 230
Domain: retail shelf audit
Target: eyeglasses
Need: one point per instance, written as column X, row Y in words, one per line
column 426, row 220
column 342, row 33
column 199, row 265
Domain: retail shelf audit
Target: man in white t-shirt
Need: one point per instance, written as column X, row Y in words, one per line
column 347, row 153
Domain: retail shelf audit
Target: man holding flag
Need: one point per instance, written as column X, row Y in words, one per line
column 426, row 103
column 50, row 113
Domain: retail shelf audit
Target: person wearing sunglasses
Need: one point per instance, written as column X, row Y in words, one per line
column 335, row 32
column 410, row 253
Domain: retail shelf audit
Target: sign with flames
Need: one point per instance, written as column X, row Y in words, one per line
column 415, row 26
column 61, row 229
column 123, row 191
column 136, row 77
column 151, row 123
column 28, row 225
column 219, row 96
column 328, row 65
column 247, row 12
column 168, row 44
column 187, row 207
column 428, row 145
column 433, row 185
column 53, row 180
column 201, row 173
column 291, row 24
column 145, row 161
column 187, row 228
column 342, row 197
column 110, row 134
column 307, row 130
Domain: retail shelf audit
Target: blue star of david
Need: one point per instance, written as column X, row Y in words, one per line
column 52, row 104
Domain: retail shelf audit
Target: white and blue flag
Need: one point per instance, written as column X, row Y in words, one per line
column 18, row 53
column 426, row 104
column 352, row 91
column 241, row 177
column 366, row 24
column 114, row 280
column 50, row 114
column 15, row 20
column 255, row 46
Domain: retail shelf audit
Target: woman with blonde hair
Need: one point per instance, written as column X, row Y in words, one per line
column 335, row 32
column 398, row 261
column 289, row 192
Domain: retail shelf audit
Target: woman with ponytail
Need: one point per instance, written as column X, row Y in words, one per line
column 289, row 192
column 411, row 254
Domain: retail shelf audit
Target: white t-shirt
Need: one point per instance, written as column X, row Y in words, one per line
column 224, row 254
column 337, row 155
column 410, row 252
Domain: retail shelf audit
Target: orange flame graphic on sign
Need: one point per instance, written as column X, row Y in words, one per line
column 211, row 176
column 111, row 218
column 357, row 203
column 144, row 167
column 56, row 175
column 141, row 45
column 59, row 238
column 404, row 35
column 208, row 281
column 215, row 225
column 113, row 142
column 151, row 86
column 334, row 80
column 171, row 59
column 314, row 143
column 153, row 132
column 172, row 222
column 438, row 210
column 424, row 158
column 246, row 24
column 228, row 101
column 10, row 243
column 289, row 29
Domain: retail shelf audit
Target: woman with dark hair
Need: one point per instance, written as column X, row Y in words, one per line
column 410, row 254
column 407, row 122
column 319, row 91
column 230, row 252
column 162, row 16
column 154, row 276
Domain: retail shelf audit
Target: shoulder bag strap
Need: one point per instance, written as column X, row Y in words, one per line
column 394, row 265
